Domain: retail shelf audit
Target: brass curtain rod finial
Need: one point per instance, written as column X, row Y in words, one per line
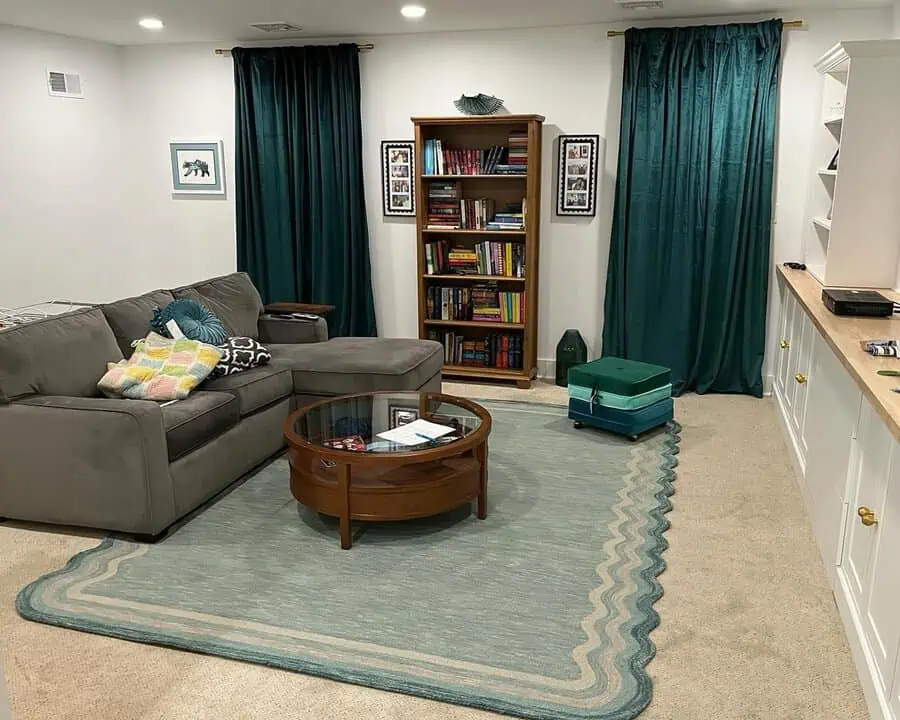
column 787, row 25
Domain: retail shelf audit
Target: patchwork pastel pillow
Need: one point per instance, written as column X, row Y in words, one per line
column 160, row 369
column 196, row 322
column 241, row 353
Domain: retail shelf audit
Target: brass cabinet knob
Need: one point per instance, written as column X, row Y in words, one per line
column 867, row 516
column 800, row 378
column 785, row 344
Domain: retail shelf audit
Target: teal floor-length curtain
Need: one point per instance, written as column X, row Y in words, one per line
column 300, row 206
column 688, row 273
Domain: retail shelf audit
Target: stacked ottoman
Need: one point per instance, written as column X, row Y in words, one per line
column 622, row 396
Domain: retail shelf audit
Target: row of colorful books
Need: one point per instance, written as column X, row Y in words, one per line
column 448, row 303
column 496, row 350
column 506, row 259
column 483, row 302
column 476, row 214
column 495, row 160
column 500, row 258
column 492, row 305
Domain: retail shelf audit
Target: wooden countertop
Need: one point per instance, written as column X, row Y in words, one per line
column 844, row 334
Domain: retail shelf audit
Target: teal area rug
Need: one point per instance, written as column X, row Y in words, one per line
column 543, row 610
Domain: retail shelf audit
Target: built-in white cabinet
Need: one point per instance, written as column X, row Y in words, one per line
column 871, row 573
column 832, row 414
column 848, row 466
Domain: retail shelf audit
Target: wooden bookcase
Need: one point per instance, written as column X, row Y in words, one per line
column 483, row 132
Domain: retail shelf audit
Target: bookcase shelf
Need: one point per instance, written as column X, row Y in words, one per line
column 476, row 324
column 452, row 231
column 480, row 278
column 503, row 191
column 506, row 176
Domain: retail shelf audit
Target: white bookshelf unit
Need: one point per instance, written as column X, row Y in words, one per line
column 853, row 233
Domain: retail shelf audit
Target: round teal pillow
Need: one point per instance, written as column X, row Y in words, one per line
column 196, row 322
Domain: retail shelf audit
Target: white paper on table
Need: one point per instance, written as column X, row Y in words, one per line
column 416, row 432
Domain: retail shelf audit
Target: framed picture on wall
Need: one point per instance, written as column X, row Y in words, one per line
column 398, row 187
column 576, row 185
column 197, row 167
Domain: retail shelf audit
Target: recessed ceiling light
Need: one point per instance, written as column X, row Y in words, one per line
column 413, row 12
column 151, row 23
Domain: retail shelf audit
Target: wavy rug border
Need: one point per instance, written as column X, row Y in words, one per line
column 640, row 632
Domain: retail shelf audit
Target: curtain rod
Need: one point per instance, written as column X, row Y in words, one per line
column 362, row 47
column 787, row 25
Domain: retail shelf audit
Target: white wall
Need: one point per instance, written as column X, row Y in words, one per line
column 179, row 92
column 63, row 173
column 570, row 75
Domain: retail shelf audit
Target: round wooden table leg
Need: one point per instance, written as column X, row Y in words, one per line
column 344, row 492
column 481, row 453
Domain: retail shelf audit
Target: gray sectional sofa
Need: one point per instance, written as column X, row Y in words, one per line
column 70, row 456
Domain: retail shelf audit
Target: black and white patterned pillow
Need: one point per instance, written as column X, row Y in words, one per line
column 241, row 353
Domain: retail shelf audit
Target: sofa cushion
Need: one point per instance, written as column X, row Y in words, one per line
column 60, row 355
column 344, row 366
column 255, row 388
column 130, row 318
column 233, row 298
column 199, row 418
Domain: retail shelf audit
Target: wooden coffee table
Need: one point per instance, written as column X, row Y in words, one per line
column 381, row 480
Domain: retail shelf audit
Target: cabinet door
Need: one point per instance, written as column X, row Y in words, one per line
column 793, row 318
column 788, row 306
column 832, row 413
column 805, row 332
column 881, row 598
column 874, row 446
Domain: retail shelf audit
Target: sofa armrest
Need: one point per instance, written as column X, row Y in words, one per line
column 95, row 462
column 287, row 330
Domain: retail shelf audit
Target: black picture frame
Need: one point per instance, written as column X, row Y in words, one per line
column 402, row 415
column 576, row 175
column 398, row 182
column 833, row 165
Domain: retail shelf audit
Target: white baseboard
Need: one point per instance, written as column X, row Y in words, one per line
column 768, row 385
column 867, row 669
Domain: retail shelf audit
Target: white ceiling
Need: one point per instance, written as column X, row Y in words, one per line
column 115, row 21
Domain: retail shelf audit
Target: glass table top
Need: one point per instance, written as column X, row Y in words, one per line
column 354, row 423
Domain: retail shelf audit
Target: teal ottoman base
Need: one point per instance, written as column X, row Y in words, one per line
column 624, row 422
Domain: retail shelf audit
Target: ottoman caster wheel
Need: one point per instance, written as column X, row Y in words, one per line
column 578, row 425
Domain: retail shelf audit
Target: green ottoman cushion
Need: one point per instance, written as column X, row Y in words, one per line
column 619, row 402
column 620, row 376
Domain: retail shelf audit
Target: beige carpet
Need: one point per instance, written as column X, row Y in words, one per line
column 748, row 627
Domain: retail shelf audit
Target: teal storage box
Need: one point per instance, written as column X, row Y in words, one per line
column 624, row 422
column 620, row 376
column 619, row 402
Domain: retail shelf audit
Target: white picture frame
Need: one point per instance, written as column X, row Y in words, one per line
column 197, row 167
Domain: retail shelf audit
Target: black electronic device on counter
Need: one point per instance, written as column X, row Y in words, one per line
column 861, row 303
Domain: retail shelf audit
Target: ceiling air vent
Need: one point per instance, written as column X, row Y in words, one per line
column 64, row 84
column 275, row 27
column 640, row 4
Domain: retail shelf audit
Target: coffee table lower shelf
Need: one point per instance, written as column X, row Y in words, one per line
column 385, row 491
